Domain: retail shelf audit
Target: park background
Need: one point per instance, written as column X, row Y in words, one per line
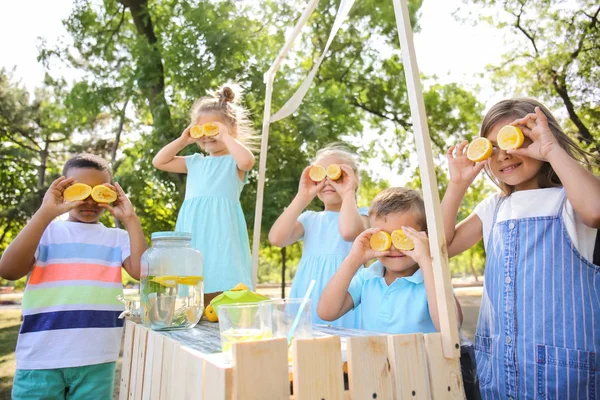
column 117, row 78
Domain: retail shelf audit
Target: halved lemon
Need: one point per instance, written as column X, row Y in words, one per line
column 103, row 194
column 167, row 281
column 239, row 287
column 210, row 129
column 196, row 131
column 190, row 280
column 210, row 314
column 401, row 241
column 76, row 192
column 510, row 137
column 381, row 241
column 334, row 172
column 480, row 149
column 317, row 173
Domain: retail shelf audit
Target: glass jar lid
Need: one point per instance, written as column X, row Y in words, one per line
column 171, row 235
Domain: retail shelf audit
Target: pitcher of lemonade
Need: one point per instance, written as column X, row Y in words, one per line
column 171, row 282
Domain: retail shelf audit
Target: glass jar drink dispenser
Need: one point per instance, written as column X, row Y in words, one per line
column 171, row 282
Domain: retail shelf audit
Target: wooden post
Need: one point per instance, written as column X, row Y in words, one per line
column 369, row 370
column 127, row 359
column 269, row 78
column 435, row 226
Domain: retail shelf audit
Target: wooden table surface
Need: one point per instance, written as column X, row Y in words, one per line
column 205, row 336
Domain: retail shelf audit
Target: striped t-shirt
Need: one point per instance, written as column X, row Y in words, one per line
column 70, row 311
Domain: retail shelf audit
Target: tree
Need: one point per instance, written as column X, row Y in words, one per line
column 556, row 58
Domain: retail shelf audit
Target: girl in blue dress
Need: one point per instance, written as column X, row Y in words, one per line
column 538, row 333
column 328, row 234
column 211, row 210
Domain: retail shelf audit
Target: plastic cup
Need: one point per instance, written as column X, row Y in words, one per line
column 282, row 312
column 242, row 323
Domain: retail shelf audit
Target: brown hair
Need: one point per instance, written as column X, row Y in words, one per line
column 396, row 200
column 519, row 108
column 226, row 103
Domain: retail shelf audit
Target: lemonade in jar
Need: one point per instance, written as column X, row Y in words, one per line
column 171, row 282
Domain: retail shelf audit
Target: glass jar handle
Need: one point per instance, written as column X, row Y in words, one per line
column 130, row 310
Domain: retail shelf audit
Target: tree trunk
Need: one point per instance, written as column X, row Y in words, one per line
column 283, row 260
column 560, row 85
column 473, row 267
column 115, row 147
column 151, row 73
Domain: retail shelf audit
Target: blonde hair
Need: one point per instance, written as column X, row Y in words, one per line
column 519, row 108
column 340, row 151
column 399, row 200
column 225, row 102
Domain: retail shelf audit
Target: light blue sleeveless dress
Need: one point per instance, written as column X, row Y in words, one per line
column 322, row 255
column 213, row 214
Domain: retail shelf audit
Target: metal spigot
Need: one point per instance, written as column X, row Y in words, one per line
column 130, row 308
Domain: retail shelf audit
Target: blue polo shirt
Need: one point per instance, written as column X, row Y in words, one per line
column 398, row 308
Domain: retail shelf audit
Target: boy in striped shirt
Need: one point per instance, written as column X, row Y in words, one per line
column 70, row 337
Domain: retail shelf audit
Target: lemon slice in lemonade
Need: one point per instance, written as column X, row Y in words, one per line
column 167, row 281
column 334, row 172
column 380, row 241
column 401, row 241
column 317, row 173
column 190, row 280
column 480, row 149
column 510, row 137
column 76, row 192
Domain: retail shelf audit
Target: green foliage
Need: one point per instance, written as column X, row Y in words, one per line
column 141, row 65
column 555, row 58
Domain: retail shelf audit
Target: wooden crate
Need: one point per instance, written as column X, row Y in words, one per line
column 379, row 367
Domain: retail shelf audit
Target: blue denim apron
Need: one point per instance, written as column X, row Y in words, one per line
column 539, row 325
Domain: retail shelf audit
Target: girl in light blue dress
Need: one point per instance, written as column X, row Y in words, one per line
column 328, row 234
column 211, row 210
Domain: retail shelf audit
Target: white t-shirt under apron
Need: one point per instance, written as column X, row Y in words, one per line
column 538, row 203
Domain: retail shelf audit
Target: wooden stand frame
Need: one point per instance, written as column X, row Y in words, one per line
column 395, row 367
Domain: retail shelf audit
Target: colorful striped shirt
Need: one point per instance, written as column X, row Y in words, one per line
column 70, row 311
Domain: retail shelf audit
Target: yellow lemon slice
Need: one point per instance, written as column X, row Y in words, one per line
column 334, row 172
column 510, row 137
column 190, row 280
column 317, row 173
column 167, row 281
column 196, row 131
column 480, row 149
column 401, row 241
column 76, row 192
column 380, row 241
column 210, row 314
column 210, row 129
column 103, row 194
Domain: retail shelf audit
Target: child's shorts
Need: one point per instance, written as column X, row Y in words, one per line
column 88, row 382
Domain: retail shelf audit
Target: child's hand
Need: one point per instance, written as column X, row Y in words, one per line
column 186, row 137
column 535, row 127
column 361, row 248
column 308, row 189
column 347, row 183
column 462, row 170
column 53, row 203
column 122, row 209
column 421, row 252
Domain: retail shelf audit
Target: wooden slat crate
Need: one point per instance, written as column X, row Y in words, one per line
column 411, row 366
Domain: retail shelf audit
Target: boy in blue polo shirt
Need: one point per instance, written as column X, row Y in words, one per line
column 397, row 292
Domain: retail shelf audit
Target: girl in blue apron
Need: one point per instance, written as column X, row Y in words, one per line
column 538, row 333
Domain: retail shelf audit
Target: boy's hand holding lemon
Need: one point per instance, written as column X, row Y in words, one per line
column 362, row 251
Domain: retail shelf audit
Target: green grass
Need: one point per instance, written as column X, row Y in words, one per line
column 10, row 322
